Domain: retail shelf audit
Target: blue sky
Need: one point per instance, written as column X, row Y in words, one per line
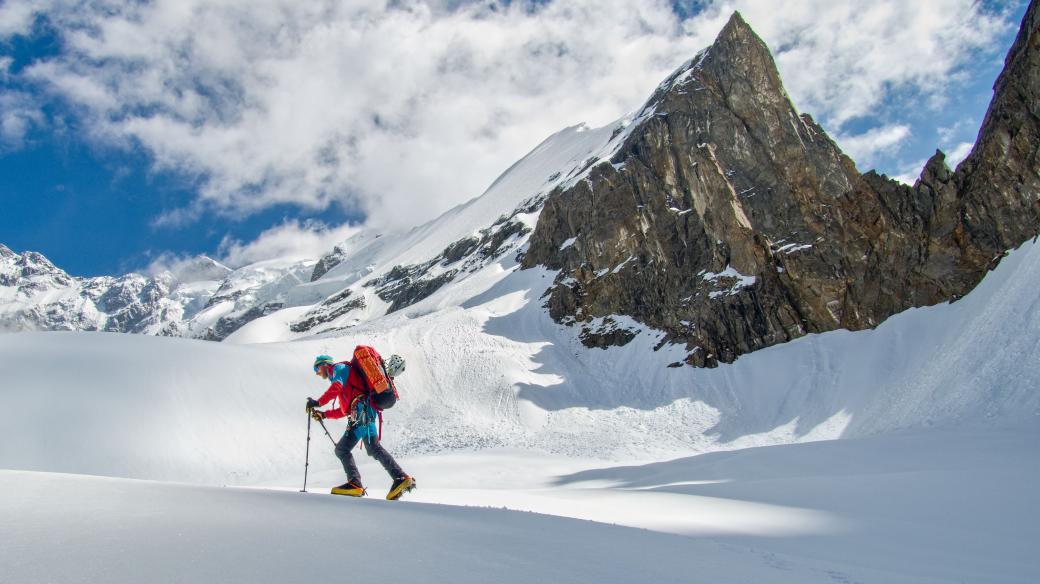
column 144, row 133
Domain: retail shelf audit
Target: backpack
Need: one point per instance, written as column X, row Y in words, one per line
column 382, row 391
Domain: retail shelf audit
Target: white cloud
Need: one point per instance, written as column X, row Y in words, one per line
column 864, row 148
column 16, row 16
column 959, row 153
column 840, row 60
column 291, row 240
column 404, row 109
column 400, row 112
column 18, row 115
column 950, row 133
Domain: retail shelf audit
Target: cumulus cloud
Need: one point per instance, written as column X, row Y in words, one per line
column 841, row 60
column 403, row 109
column 864, row 148
column 17, row 16
column 959, row 152
column 291, row 240
column 19, row 113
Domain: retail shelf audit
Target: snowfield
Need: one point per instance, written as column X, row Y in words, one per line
column 116, row 531
column 942, row 507
column 492, row 371
column 903, row 454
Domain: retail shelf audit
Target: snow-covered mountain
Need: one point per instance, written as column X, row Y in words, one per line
column 37, row 295
column 201, row 298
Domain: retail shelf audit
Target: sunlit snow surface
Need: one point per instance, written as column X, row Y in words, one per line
column 932, row 479
column 934, row 507
column 67, row 528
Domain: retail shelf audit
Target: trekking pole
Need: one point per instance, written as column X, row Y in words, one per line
column 331, row 439
column 307, row 458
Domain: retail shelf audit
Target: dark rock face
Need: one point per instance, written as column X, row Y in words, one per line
column 403, row 286
column 330, row 309
column 328, row 262
column 731, row 223
column 492, row 243
column 226, row 325
column 998, row 182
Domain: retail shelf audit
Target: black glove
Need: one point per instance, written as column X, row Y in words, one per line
column 318, row 415
column 312, row 403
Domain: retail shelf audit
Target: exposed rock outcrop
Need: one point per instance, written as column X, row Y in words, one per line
column 328, row 310
column 732, row 223
column 327, row 262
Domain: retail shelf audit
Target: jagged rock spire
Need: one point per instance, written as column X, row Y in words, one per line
column 740, row 59
column 731, row 223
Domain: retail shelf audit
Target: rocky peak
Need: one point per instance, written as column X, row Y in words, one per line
column 999, row 181
column 935, row 170
column 35, row 263
column 732, row 223
column 327, row 262
column 5, row 252
column 740, row 61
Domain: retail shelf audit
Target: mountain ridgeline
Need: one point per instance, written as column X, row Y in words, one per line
column 732, row 223
column 717, row 214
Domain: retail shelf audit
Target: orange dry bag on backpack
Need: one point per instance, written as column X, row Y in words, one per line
column 370, row 364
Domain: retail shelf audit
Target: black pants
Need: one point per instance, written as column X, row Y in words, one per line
column 375, row 450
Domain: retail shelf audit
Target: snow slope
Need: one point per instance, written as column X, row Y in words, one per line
column 370, row 254
column 936, row 506
column 493, row 371
column 950, row 506
column 63, row 528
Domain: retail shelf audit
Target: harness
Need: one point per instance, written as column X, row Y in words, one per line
column 365, row 416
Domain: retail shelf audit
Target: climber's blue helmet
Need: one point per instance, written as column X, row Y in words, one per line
column 322, row 360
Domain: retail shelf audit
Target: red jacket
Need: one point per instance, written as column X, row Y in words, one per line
column 346, row 386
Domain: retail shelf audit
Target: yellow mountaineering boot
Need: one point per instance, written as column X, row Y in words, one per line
column 400, row 487
column 350, row 489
